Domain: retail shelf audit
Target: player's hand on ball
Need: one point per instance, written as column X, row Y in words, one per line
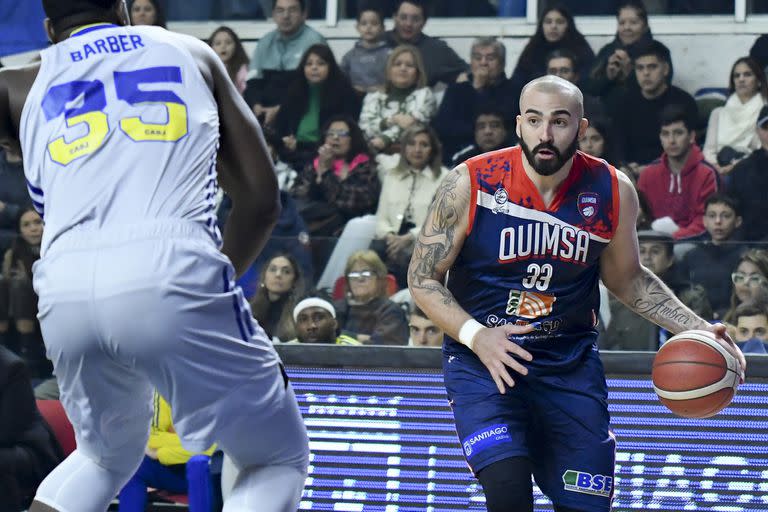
column 721, row 332
column 495, row 350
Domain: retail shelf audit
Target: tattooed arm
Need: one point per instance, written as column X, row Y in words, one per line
column 437, row 246
column 634, row 285
column 439, row 243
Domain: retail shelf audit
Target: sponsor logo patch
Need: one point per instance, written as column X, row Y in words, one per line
column 527, row 304
column 586, row 483
column 500, row 196
column 485, row 438
column 588, row 204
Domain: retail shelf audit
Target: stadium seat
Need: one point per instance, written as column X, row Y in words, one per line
column 53, row 413
column 340, row 287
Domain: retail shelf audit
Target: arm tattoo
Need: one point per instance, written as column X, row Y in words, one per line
column 653, row 300
column 437, row 240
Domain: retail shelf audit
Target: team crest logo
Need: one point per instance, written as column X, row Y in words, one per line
column 467, row 449
column 527, row 304
column 501, row 196
column 588, row 204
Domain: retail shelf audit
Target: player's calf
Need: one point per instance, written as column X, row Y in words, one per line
column 507, row 485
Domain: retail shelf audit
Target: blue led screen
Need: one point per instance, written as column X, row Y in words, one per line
column 383, row 440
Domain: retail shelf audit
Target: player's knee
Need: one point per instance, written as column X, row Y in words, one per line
column 507, row 485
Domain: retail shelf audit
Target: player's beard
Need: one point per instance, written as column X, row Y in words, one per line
column 549, row 167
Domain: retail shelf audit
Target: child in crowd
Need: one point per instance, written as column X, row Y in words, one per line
column 366, row 62
column 230, row 50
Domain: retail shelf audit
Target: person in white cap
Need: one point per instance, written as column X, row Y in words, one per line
column 315, row 320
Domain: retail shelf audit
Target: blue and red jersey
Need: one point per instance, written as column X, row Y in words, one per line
column 525, row 262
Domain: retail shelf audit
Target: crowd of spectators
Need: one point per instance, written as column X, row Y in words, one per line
column 361, row 140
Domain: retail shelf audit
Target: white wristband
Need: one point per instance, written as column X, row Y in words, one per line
column 468, row 332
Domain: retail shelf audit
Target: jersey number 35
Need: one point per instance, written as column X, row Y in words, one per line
column 90, row 111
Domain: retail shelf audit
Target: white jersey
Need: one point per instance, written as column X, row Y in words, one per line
column 120, row 128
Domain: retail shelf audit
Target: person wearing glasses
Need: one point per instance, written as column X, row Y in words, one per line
column 366, row 313
column 441, row 61
column 750, row 281
column 277, row 55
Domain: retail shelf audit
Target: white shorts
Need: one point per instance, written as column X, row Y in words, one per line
column 155, row 306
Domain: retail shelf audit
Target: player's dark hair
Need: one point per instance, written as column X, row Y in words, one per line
column 654, row 48
column 239, row 57
column 302, row 3
column 418, row 3
column 756, row 69
column 722, row 198
column 416, row 310
column 65, row 14
column 637, row 5
column 160, row 19
column 676, row 113
column 370, row 6
column 563, row 53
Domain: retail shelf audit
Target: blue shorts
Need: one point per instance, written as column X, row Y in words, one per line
column 559, row 421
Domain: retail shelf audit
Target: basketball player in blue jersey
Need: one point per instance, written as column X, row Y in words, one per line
column 121, row 128
column 507, row 264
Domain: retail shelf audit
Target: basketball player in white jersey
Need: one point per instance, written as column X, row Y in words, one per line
column 119, row 127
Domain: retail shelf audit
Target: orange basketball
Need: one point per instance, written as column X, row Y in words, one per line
column 695, row 375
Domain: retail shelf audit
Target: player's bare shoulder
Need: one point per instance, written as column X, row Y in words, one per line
column 207, row 60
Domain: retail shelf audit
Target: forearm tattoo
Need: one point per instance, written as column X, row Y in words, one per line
column 653, row 300
column 436, row 240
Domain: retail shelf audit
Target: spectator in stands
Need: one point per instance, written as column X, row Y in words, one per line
column 318, row 93
column 409, row 183
column 341, row 182
column 749, row 182
column 628, row 330
column 21, row 305
column 280, row 284
column 556, row 30
column 13, row 192
column 366, row 314
column 751, row 329
column 147, row 12
column 485, row 86
column 636, row 111
column 442, row 62
column 28, row 450
column 164, row 466
column 277, row 55
column 750, row 281
column 286, row 175
column 491, row 133
column 695, row 297
column 564, row 64
column 315, row 320
column 406, row 100
column 613, row 67
column 228, row 47
column 712, row 260
column 730, row 131
column 599, row 141
column 759, row 52
column 678, row 184
column 424, row 332
column 366, row 63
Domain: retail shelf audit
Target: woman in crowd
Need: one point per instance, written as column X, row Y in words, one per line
column 280, row 285
column 598, row 141
column 147, row 12
column 750, row 280
column 366, row 313
column 613, row 66
column 341, row 182
column 21, row 303
column 320, row 91
column 229, row 48
column 731, row 131
column 408, row 184
column 406, row 100
column 556, row 31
